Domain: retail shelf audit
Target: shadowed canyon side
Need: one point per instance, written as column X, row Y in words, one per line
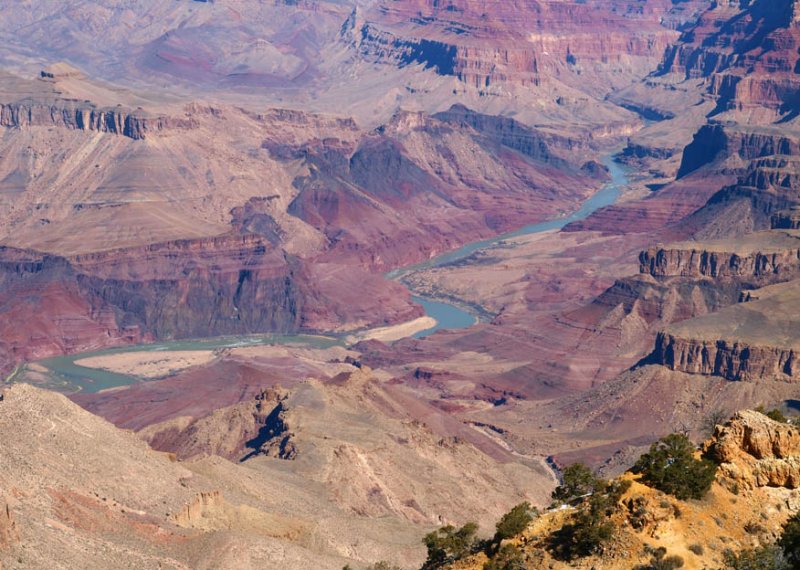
column 218, row 220
column 143, row 256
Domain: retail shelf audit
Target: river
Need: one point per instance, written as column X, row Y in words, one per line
column 70, row 376
column 449, row 316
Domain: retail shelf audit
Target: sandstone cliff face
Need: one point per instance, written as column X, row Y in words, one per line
column 767, row 183
column 537, row 144
column 180, row 289
column 715, row 141
column 668, row 262
column 748, row 51
column 478, row 43
column 755, row 451
column 667, row 301
column 72, row 115
column 190, row 288
column 729, row 359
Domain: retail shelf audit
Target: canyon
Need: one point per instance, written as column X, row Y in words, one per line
column 217, row 220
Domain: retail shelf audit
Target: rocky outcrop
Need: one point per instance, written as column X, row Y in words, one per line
column 191, row 288
column 716, row 142
column 726, row 358
column 274, row 438
column 634, row 151
column 755, row 451
column 86, row 117
column 786, row 219
column 666, row 301
column 232, row 432
column 192, row 514
column 766, row 185
column 670, row 262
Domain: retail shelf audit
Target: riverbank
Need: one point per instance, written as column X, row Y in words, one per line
column 97, row 371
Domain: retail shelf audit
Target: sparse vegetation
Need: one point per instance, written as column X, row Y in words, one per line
column 753, row 527
column 670, row 466
column 587, row 533
column 790, row 541
column 769, row 557
column 660, row 561
column 577, row 481
column 774, row 414
column 515, row 521
column 637, row 512
column 715, row 418
column 508, row 557
column 696, row 549
column 783, row 555
column 449, row 544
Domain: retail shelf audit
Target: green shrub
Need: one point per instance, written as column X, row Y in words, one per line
column 659, row 560
column 448, row 544
column 697, row 549
column 770, row 557
column 507, row 558
column 774, row 414
column 790, row 541
column 615, row 489
column 588, row 531
column 670, row 467
column 753, row 527
column 515, row 521
column 578, row 480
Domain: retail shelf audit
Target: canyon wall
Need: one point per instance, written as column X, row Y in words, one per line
column 180, row 289
column 668, row 262
column 729, row 359
column 717, row 142
column 522, row 43
column 72, row 115
column 748, row 52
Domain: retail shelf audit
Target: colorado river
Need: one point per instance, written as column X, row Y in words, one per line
column 449, row 316
column 69, row 375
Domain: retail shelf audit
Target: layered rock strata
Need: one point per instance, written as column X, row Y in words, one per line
column 753, row 341
column 683, row 260
column 729, row 359
column 86, row 117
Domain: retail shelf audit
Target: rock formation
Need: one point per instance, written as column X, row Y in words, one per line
column 478, row 45
column 727, row 358
column 179, row 289
column 755, row 451
column 751, row 67
column 786, row 219
column 236, row 432
column 73, row 115
column 678, row 261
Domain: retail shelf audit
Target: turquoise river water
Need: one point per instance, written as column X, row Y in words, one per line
column 70, row 376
